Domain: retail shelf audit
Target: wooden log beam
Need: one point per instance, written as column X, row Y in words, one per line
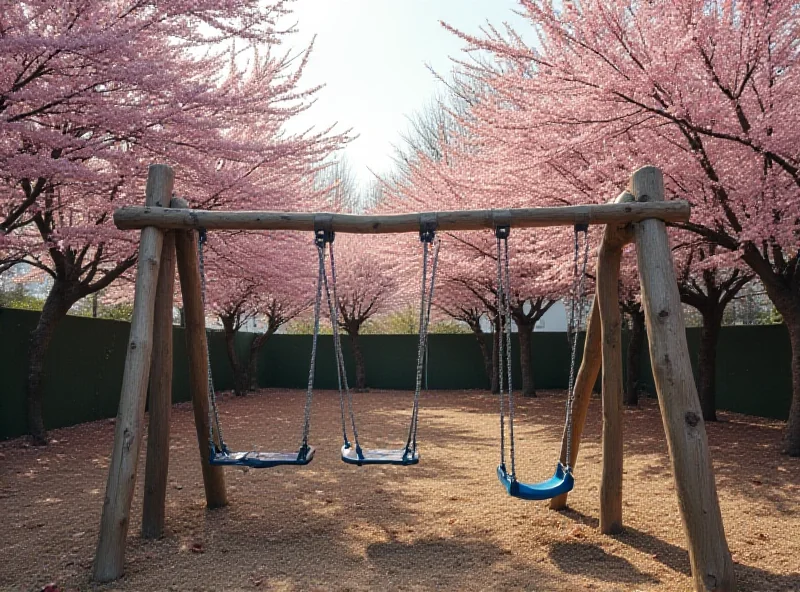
column 608, row 265
column 110, row 555
column 197, row 350
column 616, row 213
column 160, row 408
column 712, row 568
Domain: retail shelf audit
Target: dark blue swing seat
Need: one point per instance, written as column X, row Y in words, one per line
column 218, row 453
column 260, row 460
column 561, row 482
column 355, row 455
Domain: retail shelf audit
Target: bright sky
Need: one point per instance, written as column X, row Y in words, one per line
column 372, row 57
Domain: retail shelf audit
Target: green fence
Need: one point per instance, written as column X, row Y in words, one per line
column 83, row 369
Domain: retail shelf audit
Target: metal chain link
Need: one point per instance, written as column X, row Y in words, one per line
column 504, row 369
column 322, row 240
column 339, row 369
column 577, row 306
column 213, row 412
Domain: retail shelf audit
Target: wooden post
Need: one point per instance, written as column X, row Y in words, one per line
column 712, row 568
column 157, row 463
column 584, row 382
column 197, row 350
column 608, row 264
column 110, row 555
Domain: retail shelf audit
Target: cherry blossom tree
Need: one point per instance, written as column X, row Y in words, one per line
column 703, row 284
column 91, row 92
column 436, row 173
column 705, row 90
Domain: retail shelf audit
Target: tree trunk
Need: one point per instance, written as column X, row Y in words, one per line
column 54, row 310
column 255, row 352
column 707, row 361
column 252, row 372
column 358, row 357
column 240, row 376
column 792, row 438
column 634, row 361
column 486, row 355
column 525, row 347
column 785, row 295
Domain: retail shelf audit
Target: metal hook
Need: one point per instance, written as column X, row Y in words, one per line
column 323, row 229
column 427, row 227
column 502, row 232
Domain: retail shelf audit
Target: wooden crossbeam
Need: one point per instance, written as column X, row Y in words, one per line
column 137, row 217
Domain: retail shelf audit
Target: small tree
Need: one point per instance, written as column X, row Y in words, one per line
column 708, row 287
column 275, row 286
column 366, row 287
column 460, row 304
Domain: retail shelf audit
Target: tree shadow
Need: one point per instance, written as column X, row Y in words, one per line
column 587, row 559
column 447, row 556
column 677, row 558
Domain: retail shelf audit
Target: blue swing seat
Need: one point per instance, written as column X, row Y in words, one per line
column 378, row 456
column 561, row 482
column 260, row 460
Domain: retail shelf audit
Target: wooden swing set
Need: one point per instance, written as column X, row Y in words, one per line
column 638, row 214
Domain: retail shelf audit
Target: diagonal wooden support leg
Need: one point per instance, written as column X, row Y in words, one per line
column 712, row 568
column 157, row 463
column 197, row 349
column 584, row 383
column 608, row 264
column 590, row 361
column 110, row 555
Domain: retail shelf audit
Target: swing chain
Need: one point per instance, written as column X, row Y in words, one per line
column 502, row 233
column 507, row 295
column 427, row 235
column 341, row 370
column 577, row 306
column 312, row 364
column 213, row 412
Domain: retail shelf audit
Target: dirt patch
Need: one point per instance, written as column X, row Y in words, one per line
column 445, row 524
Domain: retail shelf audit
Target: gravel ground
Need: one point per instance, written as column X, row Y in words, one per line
column 445, row 524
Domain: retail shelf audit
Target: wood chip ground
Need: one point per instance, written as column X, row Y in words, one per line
column 445, row 524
